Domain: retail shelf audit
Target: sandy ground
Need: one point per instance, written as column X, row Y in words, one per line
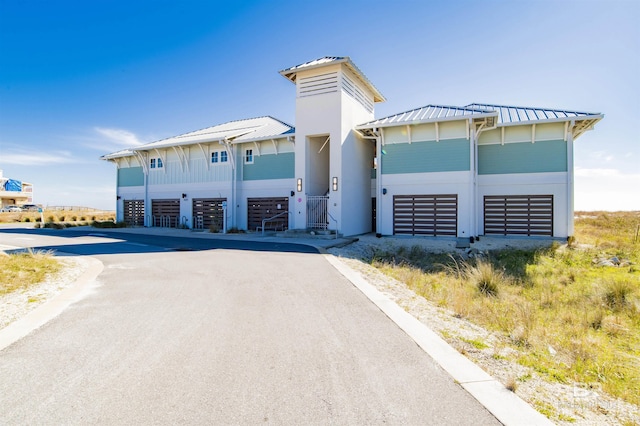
column 573, row 404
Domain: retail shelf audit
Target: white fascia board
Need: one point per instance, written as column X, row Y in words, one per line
column 428, row 120
column 289, row 72
column 116, row 155
column 289, row 137
column 596, row 118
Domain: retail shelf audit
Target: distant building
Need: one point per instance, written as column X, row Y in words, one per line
column 14, row 192
column 457, row 171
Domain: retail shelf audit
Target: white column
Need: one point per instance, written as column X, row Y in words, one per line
column 379, row 183
column 570, row 180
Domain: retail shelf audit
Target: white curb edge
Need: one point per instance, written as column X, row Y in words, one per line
column 505, row 405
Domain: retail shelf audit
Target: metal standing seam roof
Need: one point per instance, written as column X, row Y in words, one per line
column 239, row 131
column 429, row 113
column 291, row 73
column 518, row 115
column 118, row 154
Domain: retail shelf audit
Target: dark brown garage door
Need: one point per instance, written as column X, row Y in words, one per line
column 207, row 212
column 265, row 208
column 165, row 213
column 518, row 215
column 435, row 214
column 134, row 212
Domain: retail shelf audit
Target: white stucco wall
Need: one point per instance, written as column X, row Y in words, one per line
column 528, row 184
column 427, row 183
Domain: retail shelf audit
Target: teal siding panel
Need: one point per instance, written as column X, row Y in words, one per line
column 450, row 155
column 130, row 176
column 526, row 157
column 281, row 166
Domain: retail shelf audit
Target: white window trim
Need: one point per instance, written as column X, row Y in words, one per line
column 222, row 157
column 156, row 163
column 246, row 156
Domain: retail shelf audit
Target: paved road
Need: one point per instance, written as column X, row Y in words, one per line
column 220, row 335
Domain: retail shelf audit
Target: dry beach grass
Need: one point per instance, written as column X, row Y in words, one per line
column 558, row 323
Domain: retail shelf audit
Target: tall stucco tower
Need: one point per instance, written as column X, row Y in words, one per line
column 331, row 159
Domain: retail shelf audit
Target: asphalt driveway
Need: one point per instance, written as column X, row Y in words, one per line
column 173, row 334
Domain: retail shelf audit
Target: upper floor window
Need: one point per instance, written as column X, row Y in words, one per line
column 248, row 156
column 155, row 163
column 219, row 157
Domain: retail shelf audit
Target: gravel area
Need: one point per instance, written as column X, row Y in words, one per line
column 572, row 404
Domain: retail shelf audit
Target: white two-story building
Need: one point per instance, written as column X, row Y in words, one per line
column 458, row 171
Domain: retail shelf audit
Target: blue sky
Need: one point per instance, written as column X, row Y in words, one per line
column 79, row 79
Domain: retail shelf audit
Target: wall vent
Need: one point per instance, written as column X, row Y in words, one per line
column 353, row 90
column 318, row 85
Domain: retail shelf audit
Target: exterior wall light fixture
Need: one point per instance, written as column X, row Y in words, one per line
column 299, row 185
column 334, row 183
column 184, row 196
column 384, row 191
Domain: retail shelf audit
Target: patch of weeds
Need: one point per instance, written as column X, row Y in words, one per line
column 617, row 293
column 566, row 418
column 542, row 366
column 478, row 344
column 524, row 378
column 22, row 270
column 511, row 384
column 545, row 408
column 484, row 277
column 445, row 334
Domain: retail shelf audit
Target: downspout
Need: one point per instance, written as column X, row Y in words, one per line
column 146, row 201
column 145, row 169
column 570, row 180
column 475, row 136
column 378, row 135
column 231, row 204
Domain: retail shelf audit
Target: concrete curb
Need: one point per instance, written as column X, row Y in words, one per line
column 505, row 405
column 52, row 308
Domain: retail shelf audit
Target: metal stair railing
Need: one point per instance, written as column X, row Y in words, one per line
column 264, row 221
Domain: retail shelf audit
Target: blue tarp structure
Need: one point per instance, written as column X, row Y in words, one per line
column 13, row 185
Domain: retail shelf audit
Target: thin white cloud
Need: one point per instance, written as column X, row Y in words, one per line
column 120, row 137
column 36, row 158
column 601, row 156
